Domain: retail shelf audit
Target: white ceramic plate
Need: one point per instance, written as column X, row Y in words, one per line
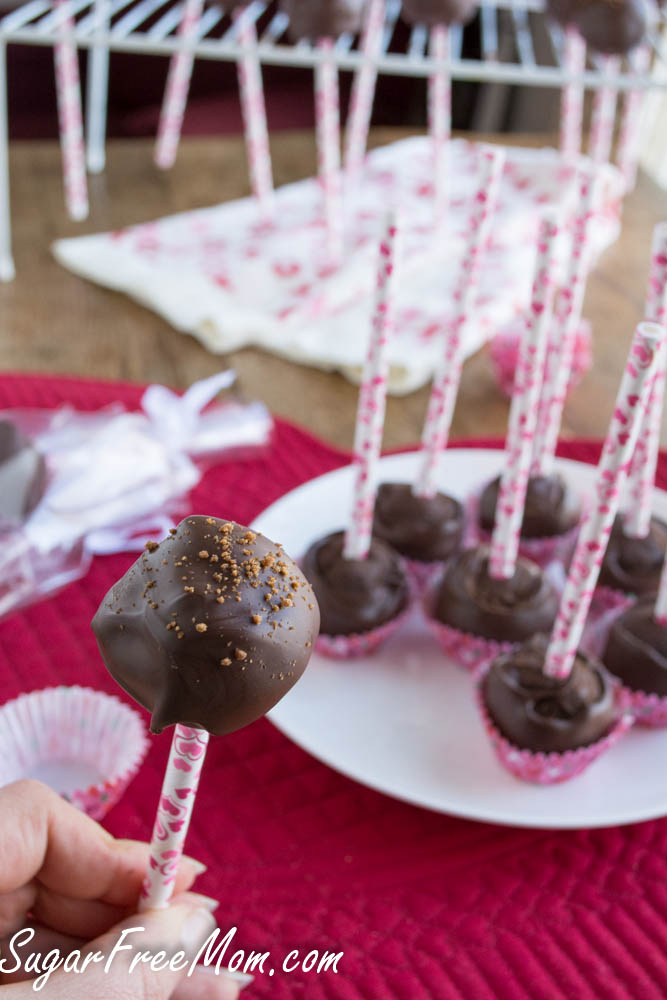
column 403, row 720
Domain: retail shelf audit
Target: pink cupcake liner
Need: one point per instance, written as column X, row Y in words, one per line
column 503, row 352
column 543, row 551
column 85, row 744
column 347, row 647
column 648, row 709
column 550, row 768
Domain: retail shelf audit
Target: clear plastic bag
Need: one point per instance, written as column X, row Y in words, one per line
column 116, row 479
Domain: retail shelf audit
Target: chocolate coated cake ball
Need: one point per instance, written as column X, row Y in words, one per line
column 427, row 529
column 634, row 564
column 548, row 714
column 315, row 19
column 472, row 601
column 22, row 474
column 613, row 27
column 636, row 650
column 355, row 595
column 552, row 507
column 210, row 627
column 432, row 12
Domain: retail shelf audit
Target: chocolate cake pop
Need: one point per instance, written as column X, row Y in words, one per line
column 613, row 27
column 552, row 507
column 470, row 600
column 633, row 565
column 22, row 474
column 636, row 649
column 355, row 595
column 210, row 627
column 433, row 12
column 315, row 19
column 426, row 529
column 546, row 714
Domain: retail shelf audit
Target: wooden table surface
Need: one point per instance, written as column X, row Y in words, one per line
column 52, row 321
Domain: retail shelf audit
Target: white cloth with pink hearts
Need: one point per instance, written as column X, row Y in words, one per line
column 230, row 280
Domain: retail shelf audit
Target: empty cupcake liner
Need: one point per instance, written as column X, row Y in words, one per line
column 86, row 744
column 543, row 551
column 648, row 709
column 550, row 768
column 347, row 647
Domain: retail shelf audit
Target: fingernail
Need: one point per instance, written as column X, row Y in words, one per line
column 196, row 928
column 198, row 866
column 207, row 902
column 242, row 979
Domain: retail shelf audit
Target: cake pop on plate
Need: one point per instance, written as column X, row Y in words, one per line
column 315, row 19
column 548, row 708
column 633, row 565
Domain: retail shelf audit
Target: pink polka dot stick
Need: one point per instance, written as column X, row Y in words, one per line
column 560, row 350
column 178, row 85
column 448, row 375
column 372, row 400
column 572, row 102
column 629, row 131
column 327, row 116
column 637, row 520
column 253, row 107
column 177, row 798
column 603, row 114
column 68, row 93
column 440, row 116
column 524, row 409
column 596, row 527
column 363, row 91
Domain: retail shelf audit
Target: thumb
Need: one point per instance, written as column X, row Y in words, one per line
column 143, row 958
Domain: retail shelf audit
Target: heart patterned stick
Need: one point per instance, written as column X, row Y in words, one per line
column 524, row 409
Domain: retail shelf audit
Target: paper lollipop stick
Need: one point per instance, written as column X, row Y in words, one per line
column 68, row 92
column 440, row 115
column 661, row 601
column 372, row 401
column 177, row 799
column 596, row 528
column 327, row 114
column 254, row 113
column 560, row 350
column 176, row 91
column 629, row 131
column 523, row 412
column 603, row 115
column 448, row 375
column 363, row 91
column 97, row 90
column 637, row 520
column 572, row 103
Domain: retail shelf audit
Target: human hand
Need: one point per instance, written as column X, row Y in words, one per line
column 65, row 877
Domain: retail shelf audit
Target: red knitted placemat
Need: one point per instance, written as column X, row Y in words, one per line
column 424, row 907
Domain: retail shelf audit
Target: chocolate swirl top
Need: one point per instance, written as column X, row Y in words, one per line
column 634, row 564
column 470, row 600
column 210, row 628
column 315, row 19
column 427, row 529
column 355, row 595
column 636, row 649
column 22, row 474
column 432, row 12
column 552, row 507
column 613, row 27
column 548, row 714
